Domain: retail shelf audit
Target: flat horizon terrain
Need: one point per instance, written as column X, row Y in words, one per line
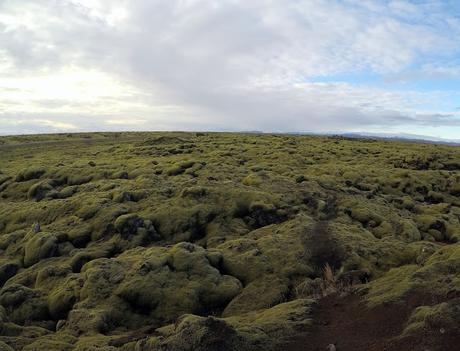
column 183, row 241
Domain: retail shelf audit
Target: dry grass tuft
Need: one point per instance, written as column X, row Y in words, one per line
column 328, row 275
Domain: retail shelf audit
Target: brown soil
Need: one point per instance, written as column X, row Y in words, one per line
column 350, row 325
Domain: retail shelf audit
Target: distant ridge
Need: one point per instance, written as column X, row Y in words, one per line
column 386, row 136
column 401, row 137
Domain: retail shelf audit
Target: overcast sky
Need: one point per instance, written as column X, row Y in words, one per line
column 285, row 65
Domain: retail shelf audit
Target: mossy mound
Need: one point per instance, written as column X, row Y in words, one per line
column 437, row 277
column 39, row 246
column 441, row 319
column 23, row 304
column 40, row 190
column 29, row 174
column 156, row 285
column 263, row 330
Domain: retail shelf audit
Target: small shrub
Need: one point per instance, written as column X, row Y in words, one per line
column 328, row 274
column 331, row 283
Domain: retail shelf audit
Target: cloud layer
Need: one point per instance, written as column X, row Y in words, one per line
column 298, row 65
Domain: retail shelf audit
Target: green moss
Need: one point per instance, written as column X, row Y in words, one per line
column 103, row 221
column 39, row 246
column 436, row 277
column 48, row 344
column 195, row 192
column 432, row 226
column 126, row 196
column 128, row 224
column 365, row 216
column 94, row 342
column 62, row 298
column 82, row 320
column 78, row 179
column 67, row 191
column 300, row 178
column 408, row 230
column 5, row 347
column 278, row 323
column 455, row 189
column 441, row 318
column 88, row 211
column 252, row 180
column 384, row 229
column 261, row 330
column 195, row 333
column 24, row 304
column 183, row 224
column 264, row 252
column 259, row 294
column 256, row 219
column 179, row 168
column 192, row 284
column 83, row 256
column 8, row 270
column 15, row 295
column 393, row 286
column 79, row 236
column 29, row 174
column 39, row 190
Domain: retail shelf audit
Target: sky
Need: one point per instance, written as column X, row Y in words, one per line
column 317, row 66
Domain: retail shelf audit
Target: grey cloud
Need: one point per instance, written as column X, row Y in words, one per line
column 208, row 57
column 438, row 119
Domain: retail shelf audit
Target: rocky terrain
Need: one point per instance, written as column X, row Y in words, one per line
column 220, row 241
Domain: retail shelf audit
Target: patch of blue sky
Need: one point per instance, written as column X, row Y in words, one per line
column 355, row 78
column 426, row 85
column 409, row 81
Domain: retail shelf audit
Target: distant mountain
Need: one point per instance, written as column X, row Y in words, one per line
column 385, row 136
column 401, row 136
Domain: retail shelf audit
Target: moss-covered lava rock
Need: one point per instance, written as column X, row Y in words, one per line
column 225, row 241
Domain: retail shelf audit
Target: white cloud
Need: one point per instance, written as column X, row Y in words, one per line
column 221, row 64
column 126, row 121
column 55, row 124
column 21, row 125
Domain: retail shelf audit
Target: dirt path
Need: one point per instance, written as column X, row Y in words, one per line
column 351, row 326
